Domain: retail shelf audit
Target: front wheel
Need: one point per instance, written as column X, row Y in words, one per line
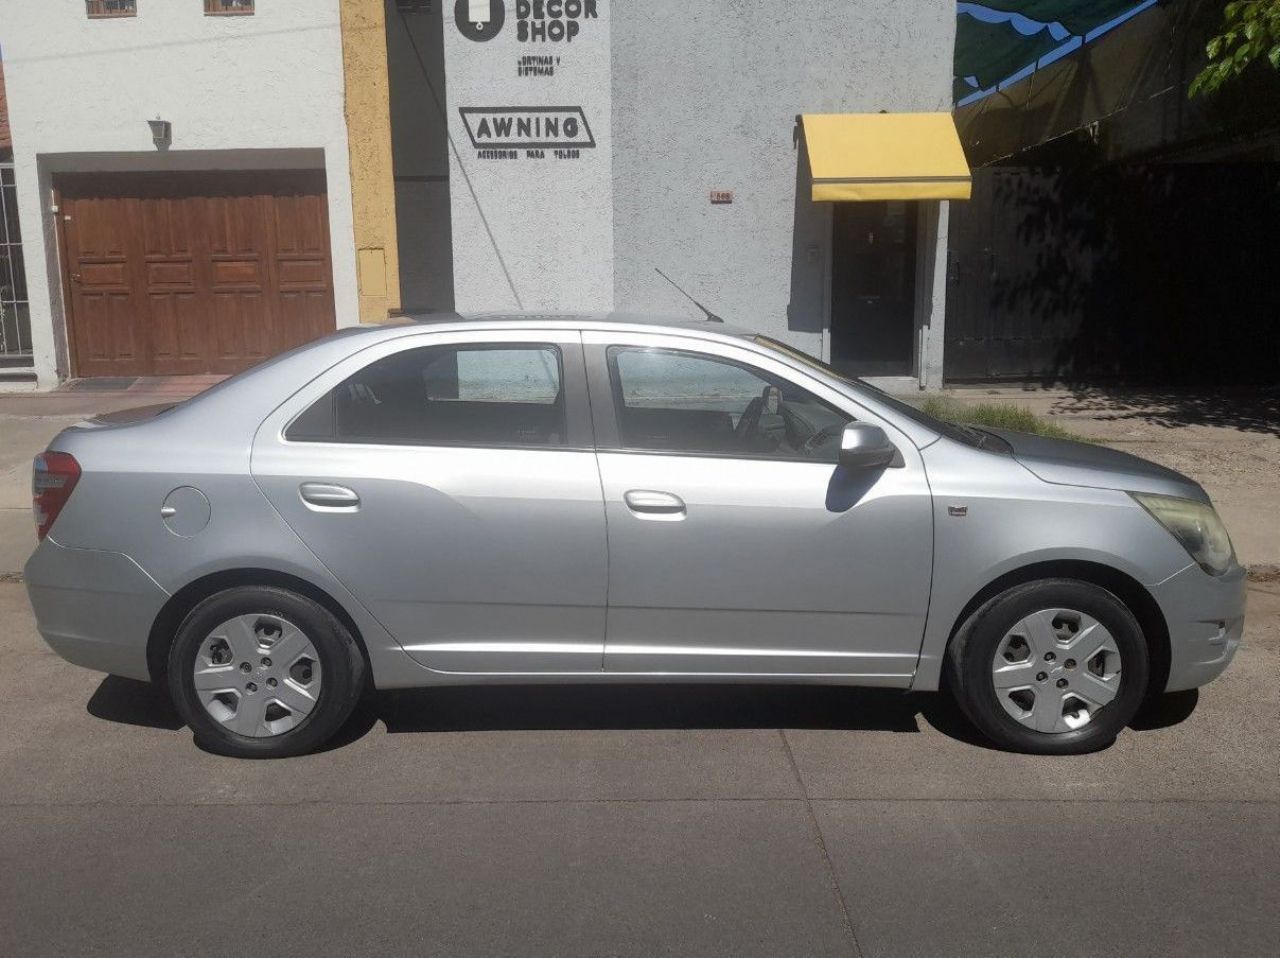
column 1053, row 667
column 261, row 672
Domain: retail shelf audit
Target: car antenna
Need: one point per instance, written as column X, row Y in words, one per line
column 711, row 317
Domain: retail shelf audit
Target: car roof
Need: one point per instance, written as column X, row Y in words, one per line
column 583, row 320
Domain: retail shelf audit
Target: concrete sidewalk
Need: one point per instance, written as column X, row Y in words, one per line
column 1229, row 442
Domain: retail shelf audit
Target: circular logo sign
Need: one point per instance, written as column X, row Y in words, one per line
column 479, row 20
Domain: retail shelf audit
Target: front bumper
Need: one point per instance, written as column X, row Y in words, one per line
column 95, row 609
column 1205, row 616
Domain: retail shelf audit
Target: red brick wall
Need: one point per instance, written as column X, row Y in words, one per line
column 5, row 141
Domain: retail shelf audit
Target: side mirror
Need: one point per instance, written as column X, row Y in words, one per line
column 864, row 446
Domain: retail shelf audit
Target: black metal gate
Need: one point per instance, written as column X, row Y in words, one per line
column 1163, row 271
column 15, row 318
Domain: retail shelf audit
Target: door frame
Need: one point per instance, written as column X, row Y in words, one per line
column 898, row 669
column 458, row 662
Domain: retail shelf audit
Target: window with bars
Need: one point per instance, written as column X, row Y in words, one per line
column 15, row 315
column 112, row 8
column 242, row 8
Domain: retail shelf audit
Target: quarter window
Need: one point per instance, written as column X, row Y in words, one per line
column 683, row 402
column 111, row 8
column 478, row 395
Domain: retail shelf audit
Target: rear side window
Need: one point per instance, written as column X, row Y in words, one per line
column 475, row 394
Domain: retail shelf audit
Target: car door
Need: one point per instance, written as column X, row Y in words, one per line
column 737, row 545
column 448, row 480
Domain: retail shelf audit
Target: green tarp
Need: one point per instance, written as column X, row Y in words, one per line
column 1078, row 16
column 992, row 52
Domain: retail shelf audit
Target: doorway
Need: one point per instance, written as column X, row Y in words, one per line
column 873, row 283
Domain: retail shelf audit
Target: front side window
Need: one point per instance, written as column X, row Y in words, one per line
column 474, row 394
column 691, row 403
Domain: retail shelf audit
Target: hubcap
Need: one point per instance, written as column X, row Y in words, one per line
column 1054, row 670
column 258, row 675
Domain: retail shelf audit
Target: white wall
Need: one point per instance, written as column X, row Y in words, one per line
column 532, row 232
column 270, row 82
column 705, row 97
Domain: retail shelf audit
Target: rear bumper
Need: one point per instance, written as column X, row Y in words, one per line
column 95, row 609
column 1205, row 615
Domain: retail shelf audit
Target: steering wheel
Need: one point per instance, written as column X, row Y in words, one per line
column 822, row 437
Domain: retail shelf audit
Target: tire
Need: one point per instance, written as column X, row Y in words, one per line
column 289, row 705
column 1017, row 716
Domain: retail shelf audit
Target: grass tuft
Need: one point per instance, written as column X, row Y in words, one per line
column 996, row 416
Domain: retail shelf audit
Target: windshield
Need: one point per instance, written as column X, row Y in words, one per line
column 965, row 434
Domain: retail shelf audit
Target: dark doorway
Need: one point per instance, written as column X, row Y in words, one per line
column 873, row 281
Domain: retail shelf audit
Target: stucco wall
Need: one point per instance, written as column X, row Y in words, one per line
column 705, row 97
column 532, row 232
column 270, row 82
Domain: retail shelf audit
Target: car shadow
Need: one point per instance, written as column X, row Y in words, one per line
column 130, row 702
column 519, row 708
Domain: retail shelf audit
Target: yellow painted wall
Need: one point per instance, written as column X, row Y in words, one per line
column 373, row 191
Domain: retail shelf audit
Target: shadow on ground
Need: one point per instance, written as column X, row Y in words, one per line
column 624, row 707
column 1252, row 410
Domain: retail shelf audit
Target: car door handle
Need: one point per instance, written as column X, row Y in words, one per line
column 646, row 503
column 325, row 497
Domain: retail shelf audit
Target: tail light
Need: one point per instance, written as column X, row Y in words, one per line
column 53, row 478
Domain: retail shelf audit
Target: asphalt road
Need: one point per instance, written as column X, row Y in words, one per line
column 648, row 821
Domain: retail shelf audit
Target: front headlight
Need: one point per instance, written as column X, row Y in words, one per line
column 1196, row 526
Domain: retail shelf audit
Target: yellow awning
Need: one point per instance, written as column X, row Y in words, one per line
column 885, row 156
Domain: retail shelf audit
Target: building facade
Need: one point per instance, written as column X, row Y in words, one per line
column 237, row 177
column 557, row 154
column 1119, row 229
column 183, row 181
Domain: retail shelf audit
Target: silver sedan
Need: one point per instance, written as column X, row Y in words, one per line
column 613, row 499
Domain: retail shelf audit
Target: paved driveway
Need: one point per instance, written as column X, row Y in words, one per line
column 695, row 821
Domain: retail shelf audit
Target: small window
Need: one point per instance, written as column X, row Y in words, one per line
column 242, row 8
column 111, row 8
column 691, row 403
column 475, row 395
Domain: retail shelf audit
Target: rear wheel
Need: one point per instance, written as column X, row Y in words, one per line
column 261, row 672
column 1055, row 667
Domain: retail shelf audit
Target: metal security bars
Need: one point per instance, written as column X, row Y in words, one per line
column 111, row 8
column 15, row 314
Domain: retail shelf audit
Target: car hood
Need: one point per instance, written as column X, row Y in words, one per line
column 1069, row 463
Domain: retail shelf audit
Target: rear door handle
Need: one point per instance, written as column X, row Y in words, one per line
column 649, row 504
column 326, row 497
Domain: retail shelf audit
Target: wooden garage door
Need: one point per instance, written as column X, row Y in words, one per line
column 170, row 274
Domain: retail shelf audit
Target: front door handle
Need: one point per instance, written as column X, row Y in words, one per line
column 647, row 503
column 326, row 497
